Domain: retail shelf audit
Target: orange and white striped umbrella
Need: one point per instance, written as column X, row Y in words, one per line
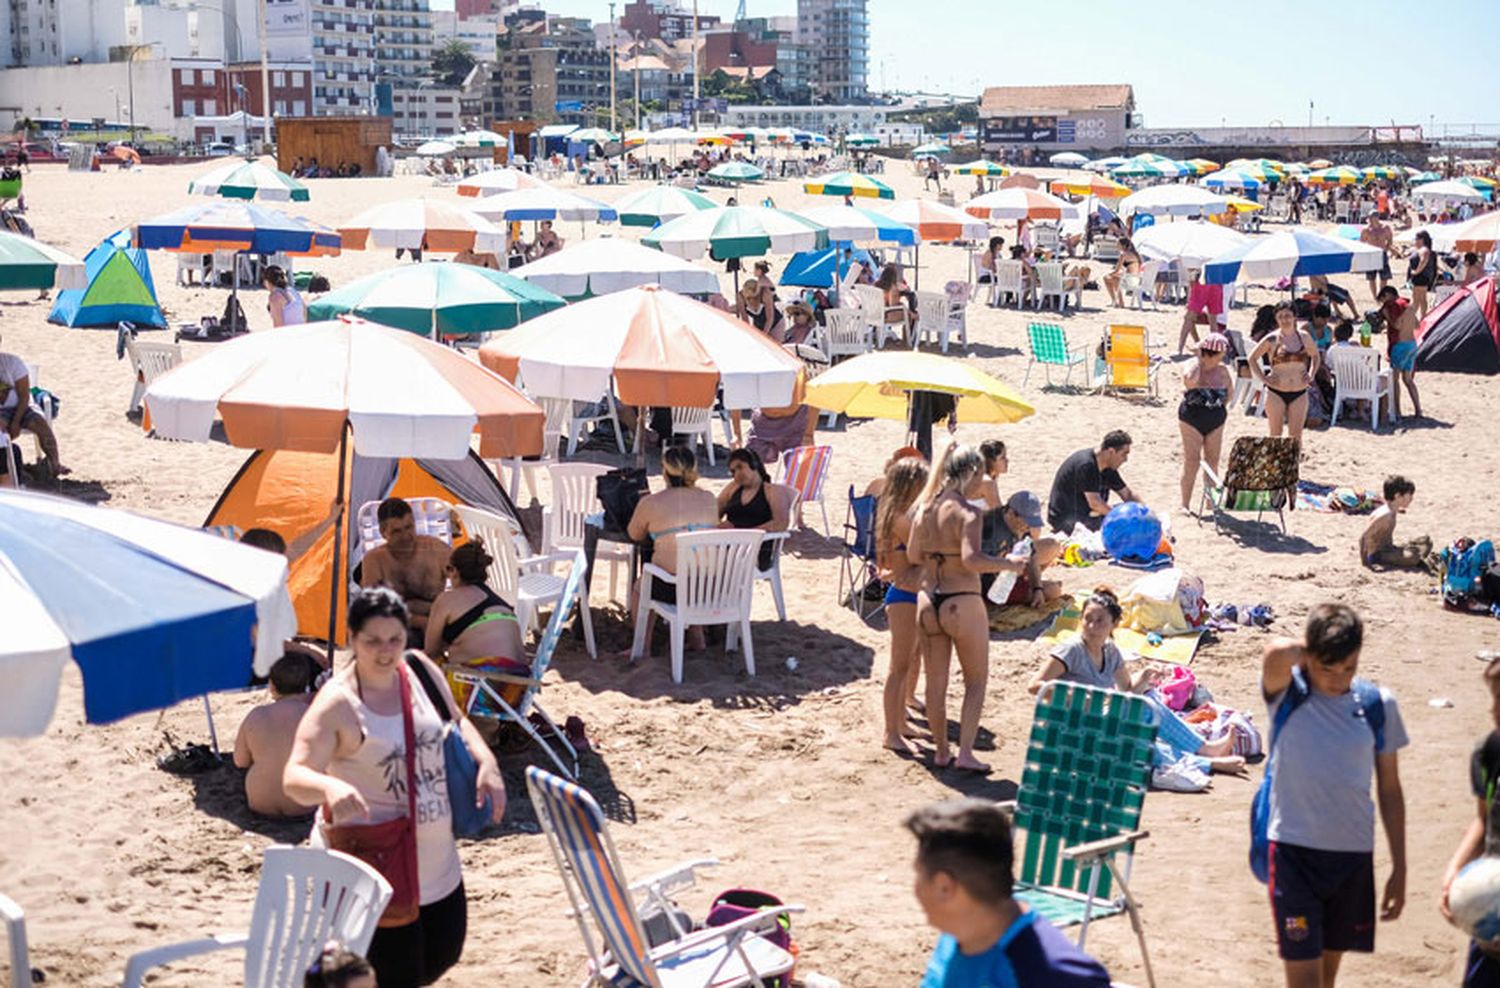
column 1020, row 204
column 298, row 387
column 934, row 221
column 499, row 180
column 427, row 224
column 661, row 348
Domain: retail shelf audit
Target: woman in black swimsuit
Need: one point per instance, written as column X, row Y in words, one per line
column 951, row 615
column 1207, row 384
column 1424, row 273
column 750, row 500
column 1293, row 358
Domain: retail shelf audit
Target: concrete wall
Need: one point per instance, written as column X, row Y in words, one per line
column 1073, row 130
column 84, row 92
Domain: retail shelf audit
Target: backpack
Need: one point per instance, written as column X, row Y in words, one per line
column 1260, row 808
column 1464, row 566
column 736, row 904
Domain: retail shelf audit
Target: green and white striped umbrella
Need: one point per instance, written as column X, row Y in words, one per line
column 30, row 264
column 737, row 231
column 1151, row 166
column 848, row 184
column 479, row 139
column 438, row 299
column 992, row 168
column 593, row 135
column 1336, row 175
column 861, row 140
column 249, row 180
column 736, row 171
column 933, row 148
column 660, row 203
column 1382, row 171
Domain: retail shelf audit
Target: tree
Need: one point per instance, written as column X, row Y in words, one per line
column 453, row 62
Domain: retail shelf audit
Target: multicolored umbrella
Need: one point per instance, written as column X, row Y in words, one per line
column 497, row 181
column 1336, row 175
column 736, row 171
column 1318, row 163
column 249, row 180
column 1480, row 234
column 1020, row 204
column 935, row 222
column 1099, row 186
column 1375, row 172
column 236, row 226
column 1233, row 178
column 1268, row 165
column 438, row 299
column 1429, row 176
column 594, row 135
column 609, row 264
column 1203, row 165
column 1105, row 164
column 546, row 203
column 480, row 139
column 27, row 264
column 848, row 184
column 658, row 203
column 878, row 385
column 851, row 224
column 1292, row 254
column 425, row 224
column 736, row 231
column 1479, row 182
column 996, row 170
column 1295, row 170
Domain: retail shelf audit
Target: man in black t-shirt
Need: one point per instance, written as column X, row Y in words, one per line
column 1482, row 969
column 1081, row 488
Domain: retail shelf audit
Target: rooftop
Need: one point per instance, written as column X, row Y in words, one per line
column 1045, row 99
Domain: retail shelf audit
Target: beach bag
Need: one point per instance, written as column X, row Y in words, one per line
column 736, row 904
column 1155, row 603
column 1260, row 807
column 459, row 766
column 391, row 847
column 1465, row 563
column 1177, row 687
column 620, row 491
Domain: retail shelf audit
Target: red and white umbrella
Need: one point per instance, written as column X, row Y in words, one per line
column 1020, row 204
column 662, row 349
column 425, row 224
column 500, row 180
column 934, row 221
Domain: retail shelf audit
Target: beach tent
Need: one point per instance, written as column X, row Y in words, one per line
column 1462, row 334
column 820, row 268
column 291, row 493
column 119, row 288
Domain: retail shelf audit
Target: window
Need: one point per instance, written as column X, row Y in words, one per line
column 299, row 108
column 278, row 79
column 189, row 108
column 296, row 80
column 206, row 76
column 210, row 107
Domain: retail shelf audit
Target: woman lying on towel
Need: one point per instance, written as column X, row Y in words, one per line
column 1093, row 659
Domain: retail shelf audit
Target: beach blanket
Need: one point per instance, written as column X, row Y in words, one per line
column 1177, row 649
column 1016, row 617
column 1330, row 499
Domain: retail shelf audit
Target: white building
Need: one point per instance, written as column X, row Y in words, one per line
column 830, row 120
column 837, row 33
column 479, row 34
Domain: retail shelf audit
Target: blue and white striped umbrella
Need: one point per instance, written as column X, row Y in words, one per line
column 1292, row 254
column 151, row 612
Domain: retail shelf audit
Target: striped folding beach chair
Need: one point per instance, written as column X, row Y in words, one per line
column 605, row 906
column 1049, row 347
column 805, row 468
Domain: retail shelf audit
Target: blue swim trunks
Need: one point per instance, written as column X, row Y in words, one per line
column 1404, row 355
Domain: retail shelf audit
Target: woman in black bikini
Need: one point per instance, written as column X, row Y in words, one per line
column 1207, row 384
column 1424, row 273
column 951, row 614
column 1293, row 359
column 472, row 625
column 750, row 500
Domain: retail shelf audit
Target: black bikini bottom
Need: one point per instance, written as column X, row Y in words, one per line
column 1288, row 398
column 939, row 599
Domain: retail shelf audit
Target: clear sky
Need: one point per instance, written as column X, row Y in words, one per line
column 1191, row 63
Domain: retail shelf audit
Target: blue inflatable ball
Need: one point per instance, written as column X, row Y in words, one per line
column 1131, row 531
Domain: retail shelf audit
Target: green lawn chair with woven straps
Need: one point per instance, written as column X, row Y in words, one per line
column 1050, row 348
column 1088, row 765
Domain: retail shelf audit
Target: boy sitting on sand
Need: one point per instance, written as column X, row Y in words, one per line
column 1377, row 546
column 265, row 738
column 963, row 884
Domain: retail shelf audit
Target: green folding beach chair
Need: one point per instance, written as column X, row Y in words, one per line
column 1088, row 765
column 1050, row 348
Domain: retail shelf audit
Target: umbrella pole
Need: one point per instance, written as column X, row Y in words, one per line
column 213, row 735
column 338, row 544
column 640, row 436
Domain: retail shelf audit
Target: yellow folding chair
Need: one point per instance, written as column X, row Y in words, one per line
column 1127, row 359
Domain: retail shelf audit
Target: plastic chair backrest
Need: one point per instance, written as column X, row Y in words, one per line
column 574, row 497
column 804, row 468
column 558, row 414
column 432, row 515
column 846, row 331
column 862, row 529
column 872, row 301
column 307, row 897
column 1008, row 277
column 1355, row 370
column 1087, row 769
column 1049, row 343
column 500, row 542
column 932, row 311
column 716, row 574
column 1050, row 277
column 591, row 873
column 688, row 420
column 151, row 360
column 1148, row 274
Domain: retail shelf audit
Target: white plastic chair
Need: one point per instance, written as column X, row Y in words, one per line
column 932, row 320
column 1051, row 284
column 148, row 361
column 1140, row 288
column 307, row 897
column 578, row 422
column 1010, row 279
column 189, row 269
column 696, row 422
column 575, row 496
column 15, row 935
column 525, row 580
column 772, row 573
column 433, row 517
column 878, row 314
column 1046, row 236
column 715, row 585
column 847, row 333
column 1357, row 377
column 557, row 412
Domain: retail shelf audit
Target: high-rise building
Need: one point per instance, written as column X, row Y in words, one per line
column 838, row 33
column 550, row 70
column 403, row 41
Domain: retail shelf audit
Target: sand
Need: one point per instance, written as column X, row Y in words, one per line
column 780, row 777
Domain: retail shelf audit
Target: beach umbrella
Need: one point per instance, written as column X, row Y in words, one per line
column 425, row 224
column 1429, row 176
column 661, row 349
column 1105, row 164
column 746, row 134
column 1299, row 171
column 608, row 264
column 1099, row 186
column 1292, row 254
column 1233, row 178
column 1479, row 234
column 1485, row 185
column 991, row 168
column 27, row 264
column 671, row 135
column 876, row 385
column 1317, row 163
column 822, row 268
column 1264, row 164
column 236, row 226
column 658, row 203
column 861, row 140
column 1172, row 200
column 152, row 613
column 713, row 137
column 1374, row 172
column 1239, row 204
column 480, row 139
column 1020, row 204
column 736, row 231
column 594, row 135
column 1068, row 159
column 1195, row 243
column 249, row 180
column 1448, row 191
column 436, row 149
column 936, row 222
column 1150, row 165
column 931, row 149
column 545, row 203
column 736, row 171
column 853, row 224
column 848, row 184
column 1336, row 175
column 438, row 299
column 1203, row 165
column 497, row 181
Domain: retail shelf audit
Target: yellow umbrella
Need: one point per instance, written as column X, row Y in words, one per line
column 878, row 385
column 1203, row 165
column 1240, row 204
column 1090, row 185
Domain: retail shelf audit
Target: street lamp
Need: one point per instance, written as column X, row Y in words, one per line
column 130, row 84
column 614, row 57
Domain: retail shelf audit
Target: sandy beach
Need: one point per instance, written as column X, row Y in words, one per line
column 780, row 777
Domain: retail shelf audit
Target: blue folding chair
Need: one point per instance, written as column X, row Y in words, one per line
column 858, row 558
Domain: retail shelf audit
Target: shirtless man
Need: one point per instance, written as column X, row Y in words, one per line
column 265, row 738
column 1377, row 234
column 412, row 565
column 1401, row 334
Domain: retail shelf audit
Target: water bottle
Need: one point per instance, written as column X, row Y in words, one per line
column 1364, row 333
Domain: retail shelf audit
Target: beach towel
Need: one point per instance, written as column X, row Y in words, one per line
column 1177, row 649
column 1016, row 617
column 1330, row 499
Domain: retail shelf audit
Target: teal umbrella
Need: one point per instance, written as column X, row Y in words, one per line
column 931, row 148
column 861, row 140
column 249, row 180
column 660, row 203
column 736, row 171
column 30, row 264
column 737, row 231
column 438, row 299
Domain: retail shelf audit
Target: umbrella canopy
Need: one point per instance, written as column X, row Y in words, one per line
column 1195, row 243
column 594, row 135
column 1428, row 176
column 1300, row 171
column 1090, row 185
column 1068, row 159
column 662, row 349
column 607, row 264
column 1233, row 178
column 436, row 149
column 1374, row 172
column 1202, row 166
column 1293, row 254
column 27, row 264
column 1151, row 166
column 1239, row 204
column 736, row 231
column 480, row 139
column 492, row 183
column 438, row 299
column 1317, row 163
column 671, row 135
column 1479, row 181
column 985, row 167
column 1448, row 191
column 1480, row 234
column 851, row 223
column 249, row 180
column 848, row 184
column 861, row 140
column 1105, row 164
column 152, row 613
column 1258, row 170
column 877, row 385
column 427, row 224
column 933, row 148
column 1336, row 175
column 543, row 204
column 236, row 226
column 298, row 388
column 736, row 171
column 934, row 221
column 659, row 203
column 1173, row 200
column 822, row 268
column 1267, row 164
column 1020, row 204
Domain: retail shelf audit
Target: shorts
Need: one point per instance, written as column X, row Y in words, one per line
column 1404, row 355
column 1481, row 970
column 1322, row 900
column 663, row 592
column 895, row 595
column 1384, row 272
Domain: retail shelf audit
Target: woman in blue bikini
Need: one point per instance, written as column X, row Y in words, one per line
column 904, row 480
